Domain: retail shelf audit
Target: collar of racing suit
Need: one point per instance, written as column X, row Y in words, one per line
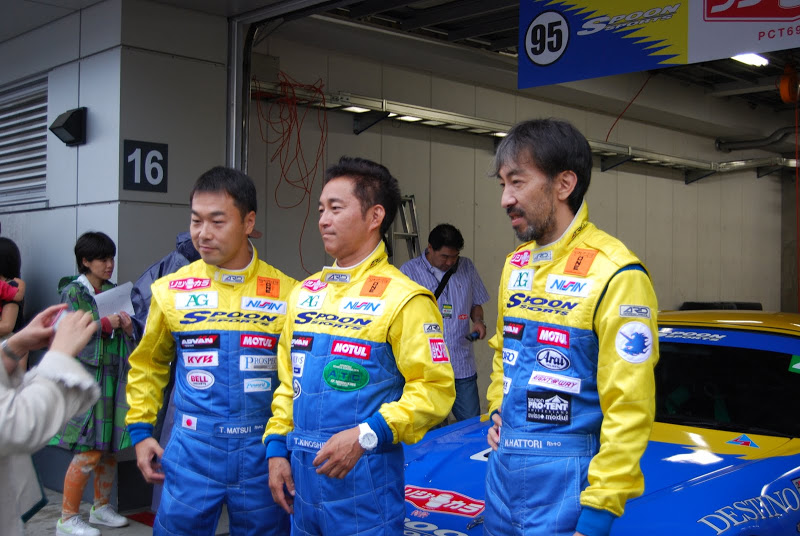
column 234, row 277
column 564, row 243
column 336, row 274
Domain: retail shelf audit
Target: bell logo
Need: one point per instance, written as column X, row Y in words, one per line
column 200, row 379
column 350, row 349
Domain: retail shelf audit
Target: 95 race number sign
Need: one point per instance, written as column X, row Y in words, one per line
column 145, row 166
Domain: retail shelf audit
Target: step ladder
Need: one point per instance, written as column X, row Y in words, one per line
column 409, row 226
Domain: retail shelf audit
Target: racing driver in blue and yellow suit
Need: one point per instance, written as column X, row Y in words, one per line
column 220, row 319
column 572, row 388
column 363, row 367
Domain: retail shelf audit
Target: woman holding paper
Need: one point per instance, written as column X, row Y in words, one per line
column 96, row 435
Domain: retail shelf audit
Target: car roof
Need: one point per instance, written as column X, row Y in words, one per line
column 763, row 321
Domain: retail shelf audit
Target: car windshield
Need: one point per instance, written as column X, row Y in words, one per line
column 728, row 388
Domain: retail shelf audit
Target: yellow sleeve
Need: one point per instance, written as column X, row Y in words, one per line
column 282, row 420
column 430, row 390
column 627, row 394
column 495, row 393
column 150, row 368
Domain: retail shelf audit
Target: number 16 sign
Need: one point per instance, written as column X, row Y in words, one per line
column 145, row 166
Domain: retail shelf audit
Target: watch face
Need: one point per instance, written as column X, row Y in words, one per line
column 368, row 440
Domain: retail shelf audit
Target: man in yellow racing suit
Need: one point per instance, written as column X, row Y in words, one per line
column 572, row 389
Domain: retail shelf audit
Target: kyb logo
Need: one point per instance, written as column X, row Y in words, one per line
column 568, row 286
column 259, row 304
column 199, row 341
column 200, row 359
column 552, row 359
column 350, row 349
column 510, row 356
column 189, row 284
column 513, row 330
column 302, row 342
column 521, row 258
column 258, row 341
column 438, row 351
column 314, row 285
column 258, row 362
column 365, row 306
column 196, row 300
column 520, row 280
column 200, row 379
column 557, row 337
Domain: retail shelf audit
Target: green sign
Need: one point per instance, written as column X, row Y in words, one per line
column 345, row 375
column 794, row 366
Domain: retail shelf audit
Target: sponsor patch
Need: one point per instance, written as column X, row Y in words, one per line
column 345, row 375
column 260, row 304
column 232, row 279
column 267, row 342
column 510, row 356
column 208, row 340
column 314, row 285
column 549, row 408
column 308, row 300
column 190, row 283
column 257, row 385
column 521, row 280
column 670, row 333
column 521, row 258
column 579, row 261
column 569, row 286
column 543, row 256
column 432, row 328
column 258, row 362
column 196, row 300
column 337, row 277
column 298, row 363
column 200, row 359
column 558, row 382
column 200, row 379
column 794, row 364
column 296, row 388
column 743, row 441
column 444, row 502
column 506, row 384
column 189, row 421
column 634, row 311
column 302, row 342
column 556, row 337
column 552, row 359
column 351, row 349
column 364, row 306
column 375, row 286
column 462, row 317
column 513, row 330
column 268, row 287
column 438, row 351
column 634, row 342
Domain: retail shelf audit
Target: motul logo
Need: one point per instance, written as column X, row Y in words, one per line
column 258, row 341
column 201, row 341
column 189, row 284
column 350, row 349
column 556, row 337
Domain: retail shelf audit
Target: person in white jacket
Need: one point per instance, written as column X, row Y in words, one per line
column 35, row 405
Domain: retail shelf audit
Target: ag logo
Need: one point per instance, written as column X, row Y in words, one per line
column 307, row 300
column 345, row 375
column 196, row 300
column 521, row 280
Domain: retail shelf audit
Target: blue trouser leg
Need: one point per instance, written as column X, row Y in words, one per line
column 468, row 402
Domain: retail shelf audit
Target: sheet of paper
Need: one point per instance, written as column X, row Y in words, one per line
column 115, row 300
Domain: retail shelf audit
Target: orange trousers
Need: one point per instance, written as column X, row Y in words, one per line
column 104, row 466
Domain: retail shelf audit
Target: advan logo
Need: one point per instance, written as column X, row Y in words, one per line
column 513, row 330
column 189, row 283
column 189, row 342
column 258, row 341
column 350, row 349
column 200, row 379
column 302, row 342
column 556, row 337
column 200, row 359
column 521, row 258
column 552, row 359
column 438, row 351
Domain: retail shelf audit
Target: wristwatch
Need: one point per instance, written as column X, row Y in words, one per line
column 366, row 437
column 10, row 353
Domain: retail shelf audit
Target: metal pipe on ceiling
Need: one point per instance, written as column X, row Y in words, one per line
column 775, row 137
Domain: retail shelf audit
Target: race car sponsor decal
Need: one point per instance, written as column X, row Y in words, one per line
column 364, row 306
column 268, row 287
column 521, row 258
column 554, row 336
column 543, row 256
column 337, row 277
column 196, row 300
column 432, row 328
column 510, row 356
column 258, row 362
column 260, row 304
column 328, row 319
column 438, row 351
column 443, row 501
column 634, row 342
column 773, row 504
column 200, row 359
column 555, row 381
column 189, row 421
column 302, row 342
column 267, row 342
column 794, row 365
column 506, row 384
column 232, row 279
column 577, row 287
column 513, row 330
column 236, row 317
column 552, row 359
column 344, row 375
column 540, row 305
column 314, row 285
column 207, row 340
column 190, row 283
column 297, row 390
column 672, row 333
column 549, row 408
column 634, row 311
column 257, row 385
column 298, row 363
column 743, row 441
column 200, row 379
column 520, row 280
column 579, row 261
column 375, row 286
column 351, row 349
column 308, row 300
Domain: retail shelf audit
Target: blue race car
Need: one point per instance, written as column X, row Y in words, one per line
column 723, row 457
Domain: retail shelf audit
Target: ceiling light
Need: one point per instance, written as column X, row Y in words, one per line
column 409, row 118
column 355, row 109
column 456, row 127
column 392, row 114
column 751, row 59
column 431, row 123
column 500, row 134
column 478, row 131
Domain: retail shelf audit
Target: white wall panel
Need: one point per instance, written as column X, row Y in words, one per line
column 732, row 227
column 404, row 85
column 709, row 238
column 452, row 96
column 602, row 198
column 101, row 27
column 353, row 75
column 658, row 240
column 632, row 220
column 685, row 261
column 62, row 161
column 39, row 50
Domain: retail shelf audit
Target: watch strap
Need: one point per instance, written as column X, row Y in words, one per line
column 9, row 352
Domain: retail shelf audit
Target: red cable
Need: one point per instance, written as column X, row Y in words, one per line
column 629, row 105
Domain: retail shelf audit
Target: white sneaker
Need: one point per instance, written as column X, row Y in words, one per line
column 75, row 526
column 106, row 515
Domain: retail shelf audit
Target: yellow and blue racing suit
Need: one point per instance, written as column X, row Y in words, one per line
column 362, row 344
column 572, row 378
column 223, row 329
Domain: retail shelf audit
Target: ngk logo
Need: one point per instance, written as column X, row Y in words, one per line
column 350, row 349
column 446, row 502
column 557, row 337
column 258, row 341
column 199, row 341
column 189, row 284
column 200, row 359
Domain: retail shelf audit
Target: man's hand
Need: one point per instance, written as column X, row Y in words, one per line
column 480, row 327
column 148, row 454
column 493, row 437
column 339, row 454
column 280, row 476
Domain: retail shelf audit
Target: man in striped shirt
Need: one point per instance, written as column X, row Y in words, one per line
column 460, row 303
